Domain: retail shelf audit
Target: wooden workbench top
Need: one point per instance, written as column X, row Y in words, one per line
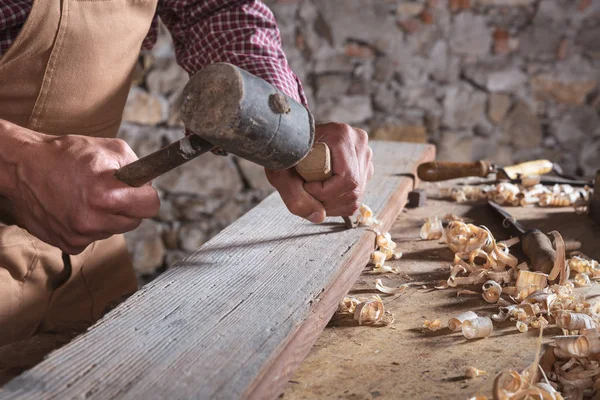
column 402, row 361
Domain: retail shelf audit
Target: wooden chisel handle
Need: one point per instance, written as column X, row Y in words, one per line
column 316, row 167
column 441, row 171
column 535, row 167
column 538, row 248
column 147, row 168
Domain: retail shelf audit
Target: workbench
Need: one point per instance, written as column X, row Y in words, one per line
column 405, row 361
column 236, row 318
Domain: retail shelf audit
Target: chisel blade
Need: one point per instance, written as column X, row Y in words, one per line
column 508, row 221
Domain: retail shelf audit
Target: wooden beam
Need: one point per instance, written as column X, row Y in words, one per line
column 235, row 318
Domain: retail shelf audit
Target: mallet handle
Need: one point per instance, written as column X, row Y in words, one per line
column 162, row 161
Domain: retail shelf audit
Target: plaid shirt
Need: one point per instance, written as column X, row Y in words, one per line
column 241, row 32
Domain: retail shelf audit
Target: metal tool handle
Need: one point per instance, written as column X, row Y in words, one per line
column 162, row 161
column 538, row 248
column 441, row 171
column 535, row 167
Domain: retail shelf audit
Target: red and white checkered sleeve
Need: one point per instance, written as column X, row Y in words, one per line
column 240, row 32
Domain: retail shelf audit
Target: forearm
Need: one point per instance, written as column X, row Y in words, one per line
column 13, row 141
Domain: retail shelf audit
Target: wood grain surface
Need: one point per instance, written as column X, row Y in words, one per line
column 404, row 361
column 233, row 319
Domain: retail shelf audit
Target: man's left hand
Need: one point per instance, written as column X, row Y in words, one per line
column 340, row 195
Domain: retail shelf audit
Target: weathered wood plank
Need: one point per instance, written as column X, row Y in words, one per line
column 233, row 319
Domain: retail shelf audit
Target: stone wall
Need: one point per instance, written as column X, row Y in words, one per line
column 505, row 80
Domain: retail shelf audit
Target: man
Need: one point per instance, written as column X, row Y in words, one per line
column 65, row 71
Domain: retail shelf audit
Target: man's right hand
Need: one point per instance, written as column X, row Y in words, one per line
column 65, row 192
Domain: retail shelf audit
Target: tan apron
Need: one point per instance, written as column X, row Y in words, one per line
column 68, row 72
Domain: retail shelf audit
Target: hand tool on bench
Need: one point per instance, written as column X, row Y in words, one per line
column 534, row 243
column 594, row 206
column 441, row 171
column 229, row 110
column 436, row 171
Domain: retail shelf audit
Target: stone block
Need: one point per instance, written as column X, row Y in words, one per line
column 209, row 176
column 561, row 89
column 463, row 106
column 254, row 175
column 146, row 247
column 192, row 235
column 576, row 124
column 522, row 126
column 331, row 85
column 400, row 133
column 346, row 109
column 498, row 105
column 145, row 108
column 470, row 35
column 455, row 146
column 164, row 81
column 589, row 39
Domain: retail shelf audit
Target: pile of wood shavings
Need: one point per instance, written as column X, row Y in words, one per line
column 370, row 311
column 505, row 193
column 385, row 247
column 532, row 301
column 524, row 296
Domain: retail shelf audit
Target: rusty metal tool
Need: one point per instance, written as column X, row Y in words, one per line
column 594, row 206
column 228, row 110
column 441, row 171
column 534, row 243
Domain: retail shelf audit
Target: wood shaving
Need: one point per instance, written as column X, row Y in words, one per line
column 388, row 290
column 432, row 229
column 455, row 323
column 479, row 327
column 365, row 216
column 433, row 325
column 385, row 250
column 366, row 311
column 472, row 372
column 491, row 291
column 522, row 327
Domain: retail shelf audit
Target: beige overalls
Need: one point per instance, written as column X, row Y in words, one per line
column 68, row 72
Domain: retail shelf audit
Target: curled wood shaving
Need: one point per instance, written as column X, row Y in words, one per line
column 455, row 323
column 479, row 327
column 433, row 325
column 365, row 216
column 574, row 321
column 370, row 311
column 522, row 327
column 366, row 311
column 560, row 262
column 472, row 372
column 388, row 290
column 491, row 291
column 432, row 229
column 385, row 251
